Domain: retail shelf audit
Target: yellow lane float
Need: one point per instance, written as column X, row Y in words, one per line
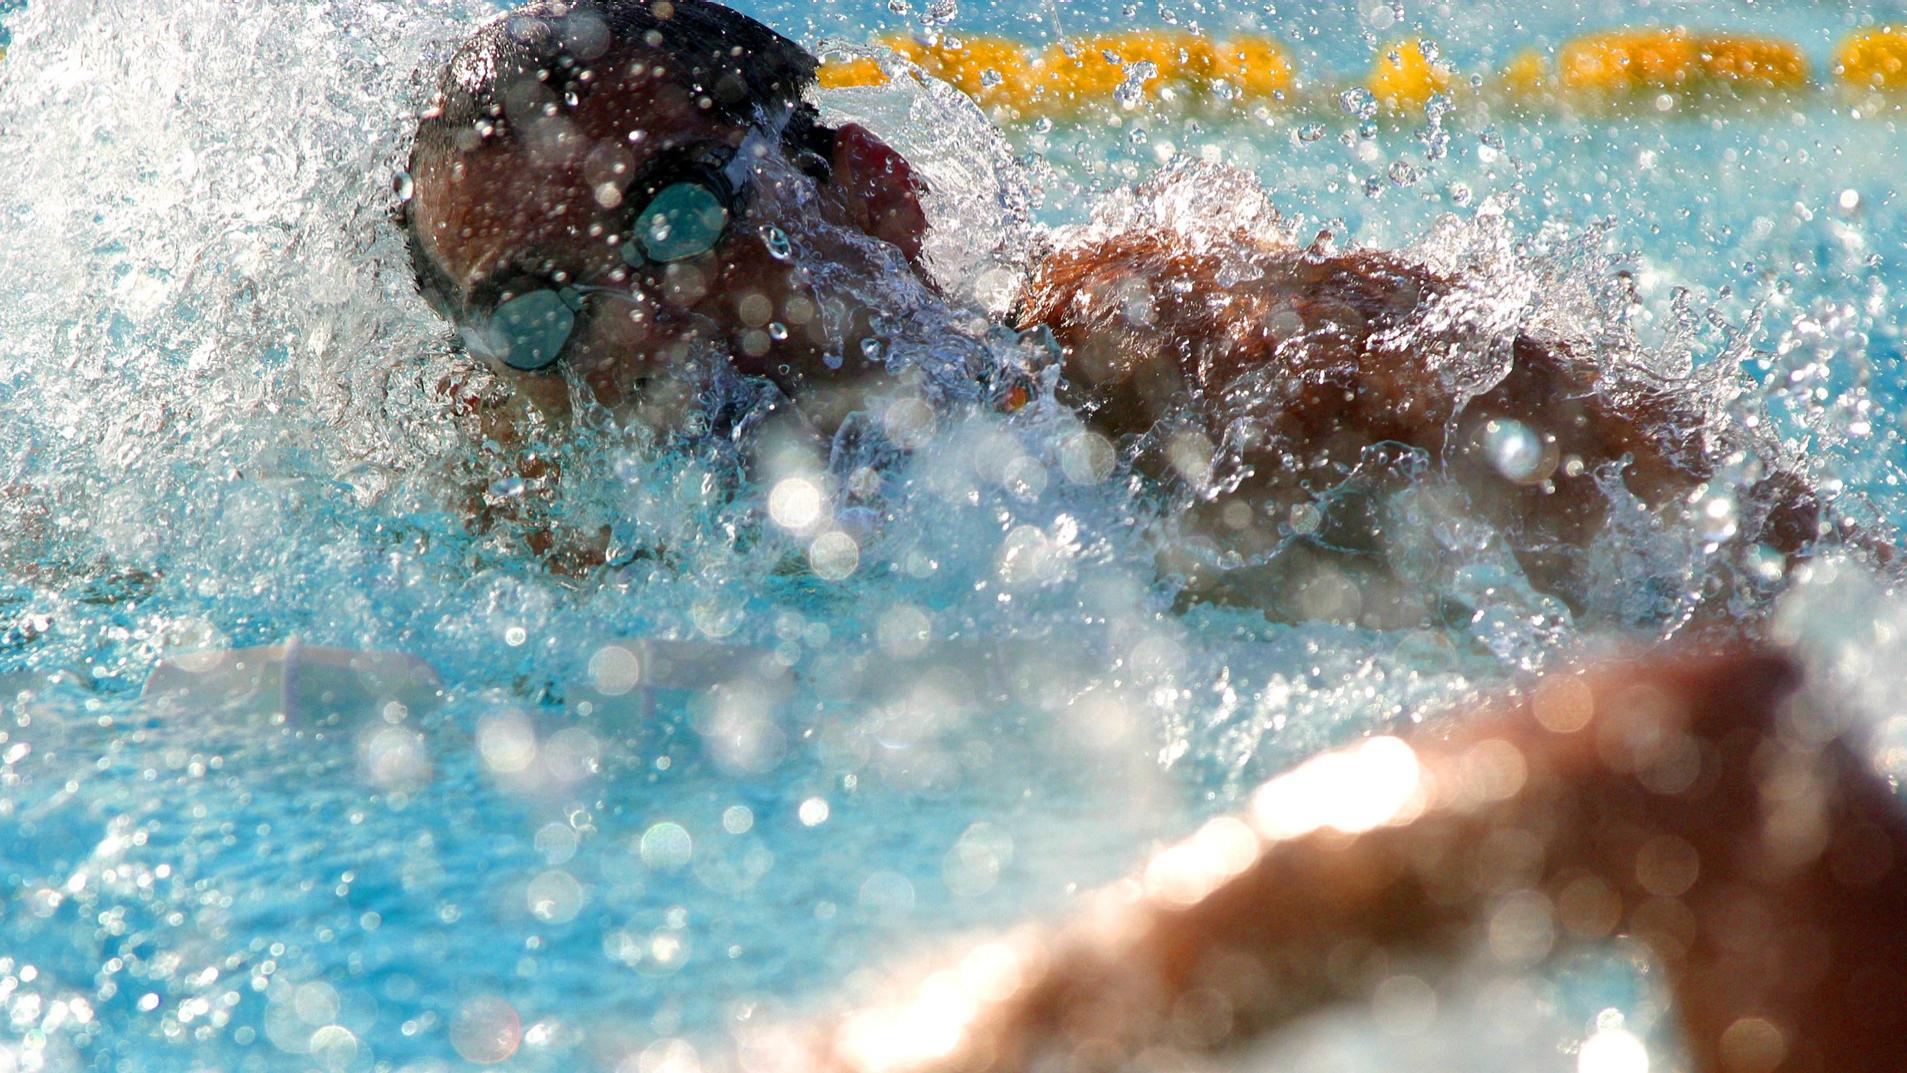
column 1654, row 67
column 1627, row 61
column 1874, row 59
column 994, row 71
column 1257, row 68
column 1755, row 63
column 1626, row 66
column 1406, row 75
column 846, row 74
column 1125, row 67
column 1529, row 75
column 1647, row 62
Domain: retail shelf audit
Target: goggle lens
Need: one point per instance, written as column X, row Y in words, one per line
column 533, row 328
column 683, row 220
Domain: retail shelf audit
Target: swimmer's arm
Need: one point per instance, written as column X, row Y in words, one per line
column 1321, row 359
column 1676, row 801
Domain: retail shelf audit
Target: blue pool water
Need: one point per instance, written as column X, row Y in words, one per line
column 219, row 431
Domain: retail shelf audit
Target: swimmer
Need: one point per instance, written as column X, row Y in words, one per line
column 605, row 190
column 1690, row 804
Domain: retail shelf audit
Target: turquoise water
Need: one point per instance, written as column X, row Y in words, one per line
column 215, row 385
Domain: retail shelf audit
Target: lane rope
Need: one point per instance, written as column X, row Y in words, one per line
column 1642, row 69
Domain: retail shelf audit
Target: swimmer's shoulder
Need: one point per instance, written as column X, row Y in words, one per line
column 1143, row 316
column 1130, row 278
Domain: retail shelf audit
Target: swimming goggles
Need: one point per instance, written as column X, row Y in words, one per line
column 684, row 206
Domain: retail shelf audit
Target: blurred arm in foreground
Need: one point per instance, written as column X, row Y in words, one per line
column 1688, row 803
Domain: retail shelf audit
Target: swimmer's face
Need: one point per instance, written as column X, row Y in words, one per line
column 656, row 226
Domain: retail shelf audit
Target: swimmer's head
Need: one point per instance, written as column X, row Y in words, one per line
column 606, row 185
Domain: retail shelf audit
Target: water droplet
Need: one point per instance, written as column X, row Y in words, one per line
column 871, row 349
column 1766, row 565
column 1131, row 91
column 614, row 670
column 780, row 246
column 666, row 846
column 1305, row 518
column 1612, row 1050
column 1716, row 517
column 402, row 186
column 1404, row 173
column 813, row 812
column 834, row 555
column 1359, row 102
column 777, row 330
column 554, row 897
column 506, row 741
column 1087, row 457
column 1516, row 452
column 991, row 77
column 486, row 1030
column 1322, row 248
column 1310, row 132
column 795, row 503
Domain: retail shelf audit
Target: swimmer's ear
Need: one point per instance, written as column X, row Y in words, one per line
column 882, row 193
